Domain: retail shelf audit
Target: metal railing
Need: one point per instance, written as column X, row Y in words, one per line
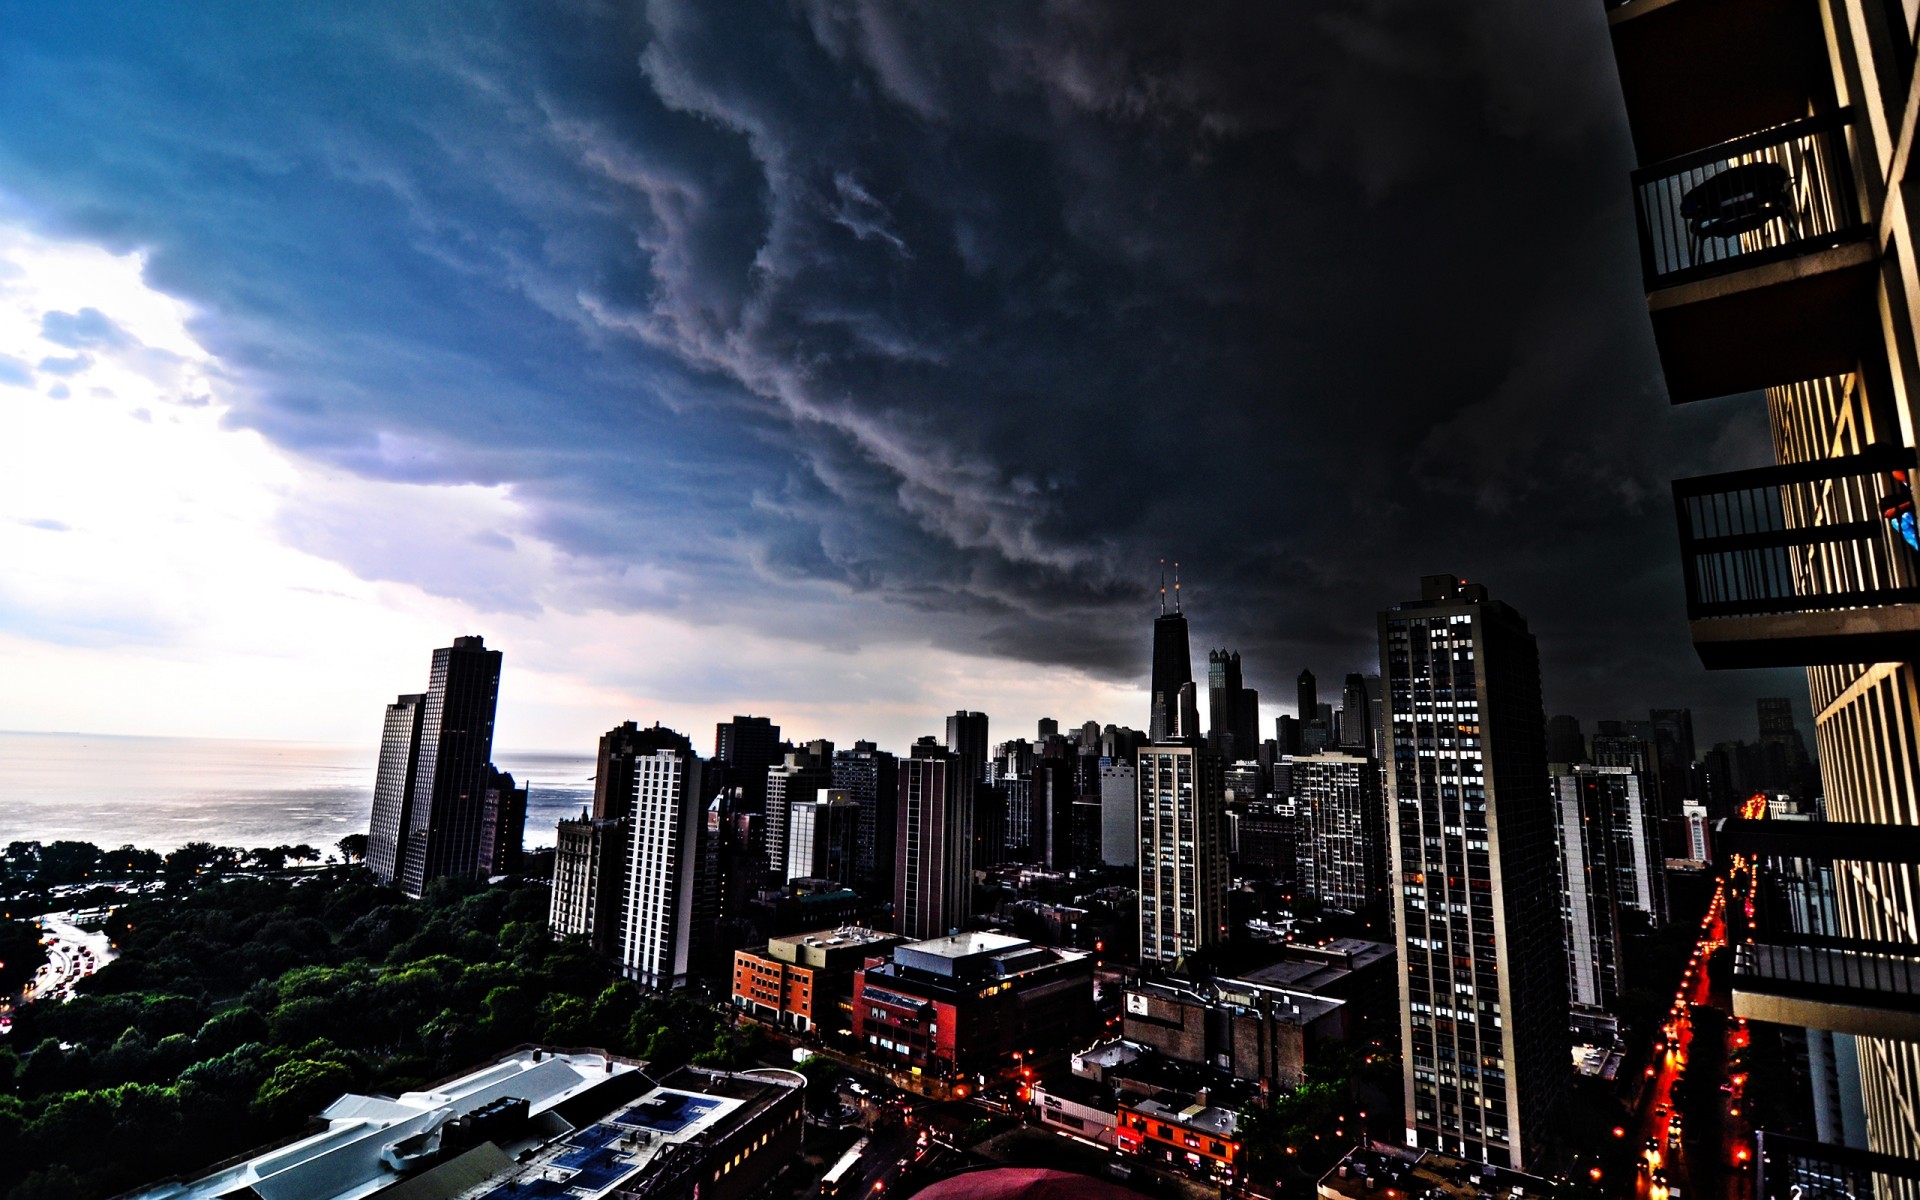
column 1798, row 537
column 1813, row 964
column 1793, row 1168
column 1767, row 196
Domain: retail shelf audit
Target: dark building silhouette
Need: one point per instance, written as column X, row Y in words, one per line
column 613, row 772
column 871, row 778
column 436, row 823
column 1172, row 668
column 1306, row 697
column 967, row 739
column 503, row 824
column 933, row 844
column 743, row 749
column 1565, row 741
column 1356, row 715
column 1474, row 857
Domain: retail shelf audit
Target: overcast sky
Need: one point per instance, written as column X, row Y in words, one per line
column 844, row 362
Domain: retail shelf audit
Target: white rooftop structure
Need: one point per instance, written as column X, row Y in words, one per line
column 371, row 1142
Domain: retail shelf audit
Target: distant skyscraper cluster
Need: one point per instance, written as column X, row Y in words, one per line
column 1485, row 871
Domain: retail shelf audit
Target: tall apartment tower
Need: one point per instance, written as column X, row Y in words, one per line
column 662, row 868
column 589, row 880
column 613, row 771
column 933, row 846
column 823, row 838
column 1172, row 668
column 1343, row 860
column 797, row 780
column 1356, row 715
column 1589, row 892
column 1810, row 560
column 436, row 822
column 1182, row 828
column 393, row 786
column 870, row 777
column 1483, row 985
column 967, row 740
column 743, row 749
column 1621, row 804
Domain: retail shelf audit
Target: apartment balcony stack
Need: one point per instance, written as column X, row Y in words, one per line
column 1777, row 249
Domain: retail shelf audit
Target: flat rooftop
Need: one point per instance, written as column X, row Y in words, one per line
column 365, row 1136
column 829, row 938
column 1418, row 1172
column 965, row 945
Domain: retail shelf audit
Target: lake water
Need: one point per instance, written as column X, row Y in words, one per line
column 160, row 793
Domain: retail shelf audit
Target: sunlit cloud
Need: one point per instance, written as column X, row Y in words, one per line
column 170, row 573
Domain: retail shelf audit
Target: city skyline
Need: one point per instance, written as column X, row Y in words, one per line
column 356, row 381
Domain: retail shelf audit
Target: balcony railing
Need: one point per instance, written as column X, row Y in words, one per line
column 1799, row 537
column 1772, row 195
column 1793, row 1168
column 1807, row 963
column 1883, row 974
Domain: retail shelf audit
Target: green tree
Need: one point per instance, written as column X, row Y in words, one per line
column 21, row 955
column 301, row 1087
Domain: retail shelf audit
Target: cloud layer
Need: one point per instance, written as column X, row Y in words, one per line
column 879, row 326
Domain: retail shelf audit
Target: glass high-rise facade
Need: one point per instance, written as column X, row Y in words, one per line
column 1484, row 979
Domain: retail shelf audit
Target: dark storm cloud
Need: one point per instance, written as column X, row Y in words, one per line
column 967, row 313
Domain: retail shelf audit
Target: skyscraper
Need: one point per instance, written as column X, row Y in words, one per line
column 1119, row 830
column 1589, row 895
column 393, row 786
column 1223, row 705
column 1172, row 666
column 870, row 778
column 822, row 837
column 613, row 771
column 440, row 813
column 1183, row 850
column 1565, row 742
column 1356, row 715
column 1306, row 697
column 1343, row 860
column 967, row 739
column 797, row 780
column 663, row 852
column 1484, row 980
column 743, row 749
column 1618, row 803
column 933, row 855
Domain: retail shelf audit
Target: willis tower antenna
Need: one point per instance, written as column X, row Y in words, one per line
column 1172, row 666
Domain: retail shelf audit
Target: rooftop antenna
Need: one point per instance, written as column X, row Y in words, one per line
column 1163, row 587
column 1176, row 587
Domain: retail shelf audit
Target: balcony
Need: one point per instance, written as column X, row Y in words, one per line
column 1793, row 1168
column 1799, row 565
column 1696, row 72
column 1847, row 985
column 1802, row 968
column 1759, row 262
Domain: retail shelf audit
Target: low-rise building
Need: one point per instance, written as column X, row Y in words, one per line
column 1258, row 1034
column 1183, row 1129
column 1076, row 1106
column 580, row 1126
column 970, row 1003
column 804, row 982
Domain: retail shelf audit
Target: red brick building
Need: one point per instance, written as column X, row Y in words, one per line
column 804, row 982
